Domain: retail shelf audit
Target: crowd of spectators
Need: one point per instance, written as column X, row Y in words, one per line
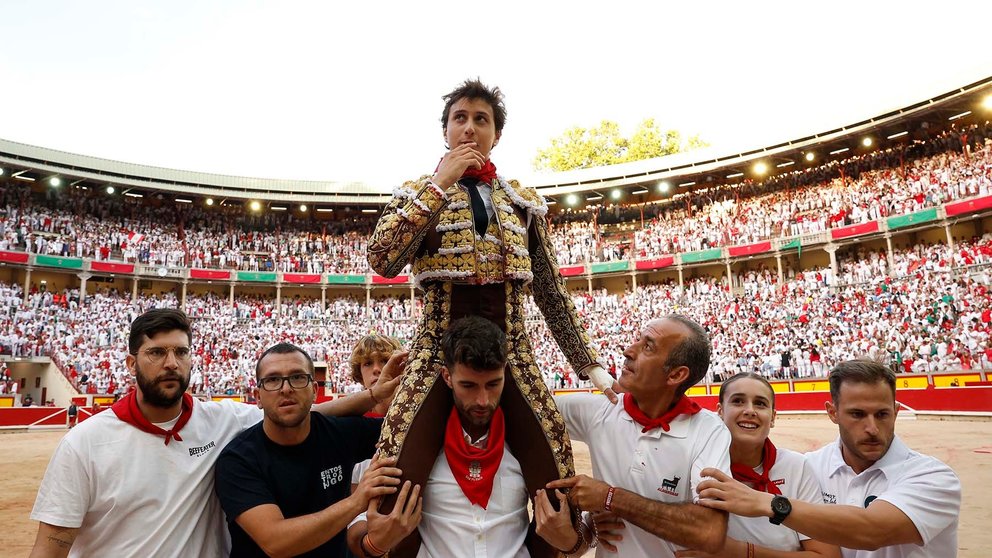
column 85, row 224
column 88, row 340
column 843, row 200
column 931, row 314
column 67, row 222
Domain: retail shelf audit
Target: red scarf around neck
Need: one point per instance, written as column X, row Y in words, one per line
column 486, row 174
column 474, row 468
column 684, row 406
column 760, row 482
column 127, row 410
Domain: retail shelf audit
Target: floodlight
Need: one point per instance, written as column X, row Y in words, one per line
column 810, row 156
column 55, row 181
column 760, row 167
column 111, row 189
column 616, row 193
column 866, row 142
column 255, row 205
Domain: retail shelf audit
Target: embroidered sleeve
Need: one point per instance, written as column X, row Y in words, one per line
column 551, row 296
column 403, row 225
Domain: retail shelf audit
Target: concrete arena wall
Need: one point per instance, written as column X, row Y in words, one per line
column 965, row 393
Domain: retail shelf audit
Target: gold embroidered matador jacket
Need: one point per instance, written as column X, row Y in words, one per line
column 463, row 273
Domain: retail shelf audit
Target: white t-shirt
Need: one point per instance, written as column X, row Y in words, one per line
column 131, row 495
column 451, row 526
column 794, row 477
column 658, row 465
column 922, row 487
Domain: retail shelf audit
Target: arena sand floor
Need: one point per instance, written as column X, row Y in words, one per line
column 965, row 445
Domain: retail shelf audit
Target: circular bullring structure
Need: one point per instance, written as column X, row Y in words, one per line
column 868, row 239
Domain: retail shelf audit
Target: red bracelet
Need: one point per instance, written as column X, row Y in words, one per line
column 608, row 505
column 374, row 550
column 750, row 550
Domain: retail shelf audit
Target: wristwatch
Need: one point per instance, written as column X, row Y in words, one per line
column 781, row 508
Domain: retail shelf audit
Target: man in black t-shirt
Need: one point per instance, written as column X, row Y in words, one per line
column 285, row 483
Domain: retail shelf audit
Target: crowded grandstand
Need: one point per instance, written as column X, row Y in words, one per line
column 913, row 293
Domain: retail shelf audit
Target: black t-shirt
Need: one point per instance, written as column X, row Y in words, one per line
column 306, row 478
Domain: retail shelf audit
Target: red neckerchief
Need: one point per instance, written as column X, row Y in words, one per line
column 486, row 174
column 127, row 410
column 474, row 468
column 684, row 406
column 372, row 414
column 760, row 482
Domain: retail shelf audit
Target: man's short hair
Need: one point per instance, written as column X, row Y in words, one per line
column 693, row 352
column 155, row 321
column 475, row 342
column 742, row 375
column 369, row 347
column 283, row 349
column 860, row 371
column 475, row 89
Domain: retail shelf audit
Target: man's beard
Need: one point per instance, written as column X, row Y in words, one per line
column 154, row 395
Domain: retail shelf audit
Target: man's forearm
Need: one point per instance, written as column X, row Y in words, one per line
column 297, row 535
column 687, row 525
column 355, row 534
column 354, row 405
column 852, row 526
column 53, row 541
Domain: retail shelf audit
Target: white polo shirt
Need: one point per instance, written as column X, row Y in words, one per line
column 794, row 477
column 922, row 487
column 131, row 495
column 658, row 465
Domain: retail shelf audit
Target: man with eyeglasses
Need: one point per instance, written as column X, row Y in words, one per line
column 139, row 480
column 285, row 483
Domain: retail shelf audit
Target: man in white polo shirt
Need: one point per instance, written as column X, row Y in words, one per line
column 650, row 449
column 138, row 480
column 881, row 499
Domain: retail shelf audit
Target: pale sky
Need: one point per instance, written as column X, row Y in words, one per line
column 348, row 91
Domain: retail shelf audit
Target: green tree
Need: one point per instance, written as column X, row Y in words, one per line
column 580, row 148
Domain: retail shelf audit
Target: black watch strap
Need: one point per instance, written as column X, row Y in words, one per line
column 781, row 508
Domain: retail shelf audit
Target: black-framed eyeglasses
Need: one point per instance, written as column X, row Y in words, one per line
column 275, row 383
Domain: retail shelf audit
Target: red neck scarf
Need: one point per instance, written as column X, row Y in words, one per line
column 760, row 482
column 684, row 406
column 486, row 174
column 127, row 410
column 474, row 468
column 372, row 414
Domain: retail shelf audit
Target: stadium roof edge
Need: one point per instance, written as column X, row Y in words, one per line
column 177, row 181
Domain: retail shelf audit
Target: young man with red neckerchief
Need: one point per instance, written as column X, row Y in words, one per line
column 475, row 500
column 648, row 452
